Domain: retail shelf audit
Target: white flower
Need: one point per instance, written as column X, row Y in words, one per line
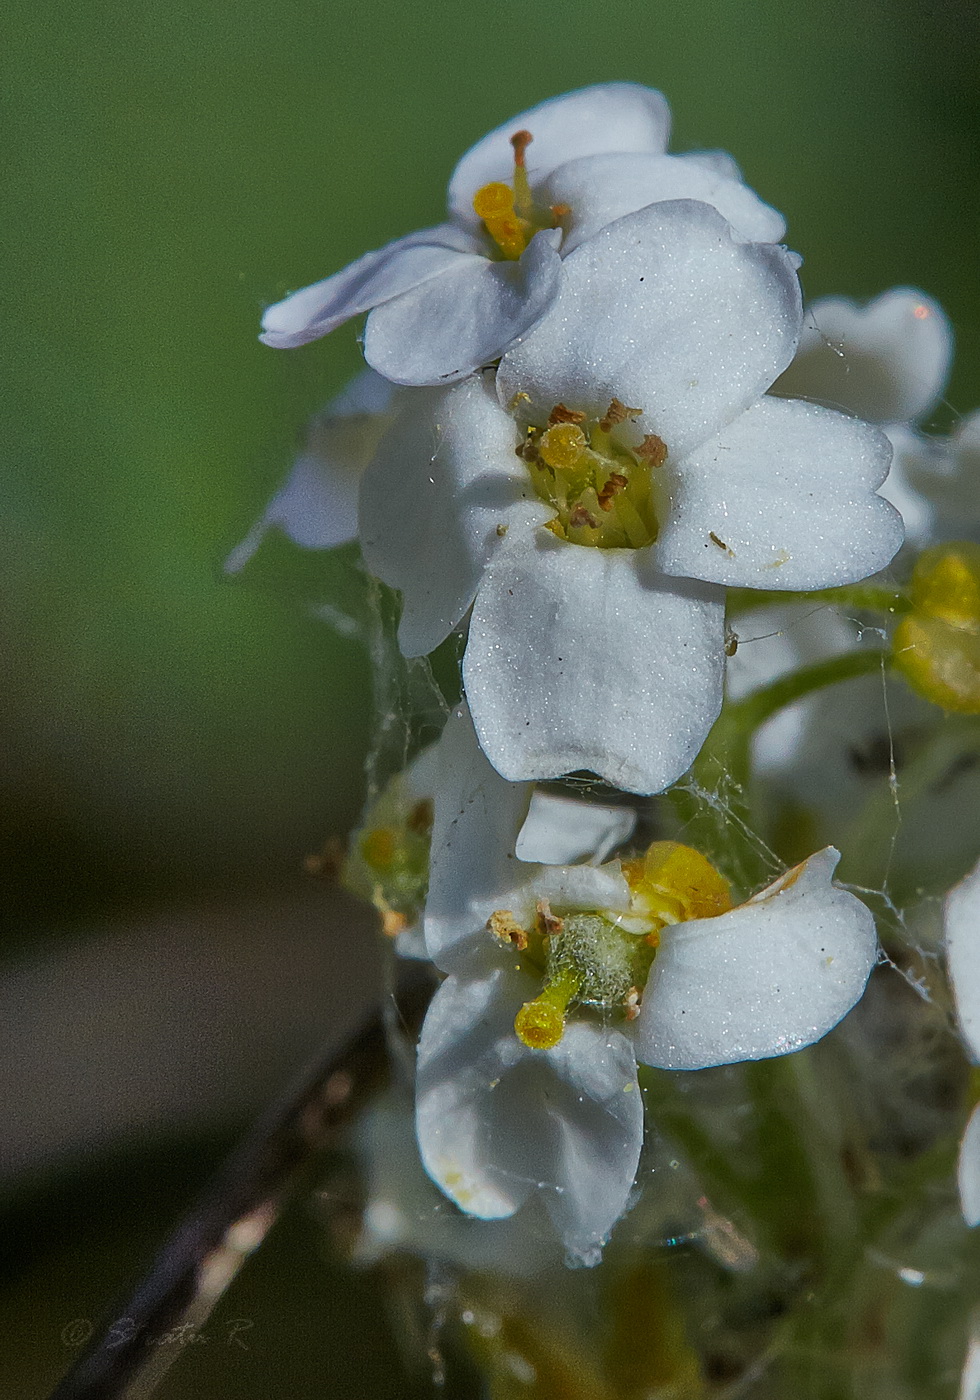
column 962, row 925
column 525, row 1089
column 664, row 338
column 940, row 479
column 387, row 861
column 450, row 299
column 887, row 362
column 316, row 506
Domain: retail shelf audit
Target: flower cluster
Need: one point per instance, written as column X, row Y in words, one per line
column 597, row 428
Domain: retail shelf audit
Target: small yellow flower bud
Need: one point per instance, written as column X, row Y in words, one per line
column 936, row 646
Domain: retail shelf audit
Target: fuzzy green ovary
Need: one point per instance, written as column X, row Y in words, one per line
column 602, row 493
column 590, row 962
column 609, row 961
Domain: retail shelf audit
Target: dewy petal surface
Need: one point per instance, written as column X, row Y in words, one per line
column 582, row 658
column 601, row 189
column 592, row 121
column 444, row 478
column 665, row 310
column 887, row 361
column 449, row 326
column 372, row 279
column 771, row 976
column 962, row 923
column 496, row 1121
column 784, row 497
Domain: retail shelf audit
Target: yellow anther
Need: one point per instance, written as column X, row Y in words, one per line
column 378, row 847
column 540, row 1024
column 936, row 646
column 676, row 883
column 563, row 446
column 495, row 206
column 505, row 927
column 494, row 201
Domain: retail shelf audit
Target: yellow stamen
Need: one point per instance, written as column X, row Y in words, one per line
column 562, row 446
column 677, row 883
column 540, row 1024
column 495, row 206
column 522, row 188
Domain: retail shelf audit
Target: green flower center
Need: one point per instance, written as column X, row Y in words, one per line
column 602, row 489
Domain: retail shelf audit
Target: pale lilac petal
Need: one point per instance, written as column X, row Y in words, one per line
column 768, row 978
column 962, row 924
column 576, row 659
column 665, row 310
column 600, row 189
column 497, row 1121
column 316, row 506
column 449, row 326
column 374, row 278
column 784, row 497
column 592, row 121
column 444, row 480
column 887, row 361
column 968, row 1170
column 560, row 830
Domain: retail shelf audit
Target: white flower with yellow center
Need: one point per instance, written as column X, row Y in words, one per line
column 450, row 299
column 962, row 921
column 562, row 977
column 589, row 501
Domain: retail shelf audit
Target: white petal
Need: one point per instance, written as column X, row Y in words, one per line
column 665, row 310
column 594, row 120
column 887, row 361
column 970, row 1377
column 444, row 479
column 962, row 924
column 372, row 279
column 472, row 866
column 911, row 452
column 405, row 1211
column 560, row 830
column 577, row 659
column 316, row 506
column 496, row 1121
column 787, row 491
column 945, row 473
column 718, row 162
column 582, row 887
column 968, row 1170
column 600, row 189
column 452, row 325
column 768, row 978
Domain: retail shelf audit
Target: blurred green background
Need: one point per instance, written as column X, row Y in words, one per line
column 171, row 737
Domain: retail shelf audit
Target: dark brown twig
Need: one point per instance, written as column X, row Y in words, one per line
column 236, row 1210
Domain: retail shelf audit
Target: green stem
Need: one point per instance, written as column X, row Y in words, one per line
column 724, row 827
column 867, row 597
